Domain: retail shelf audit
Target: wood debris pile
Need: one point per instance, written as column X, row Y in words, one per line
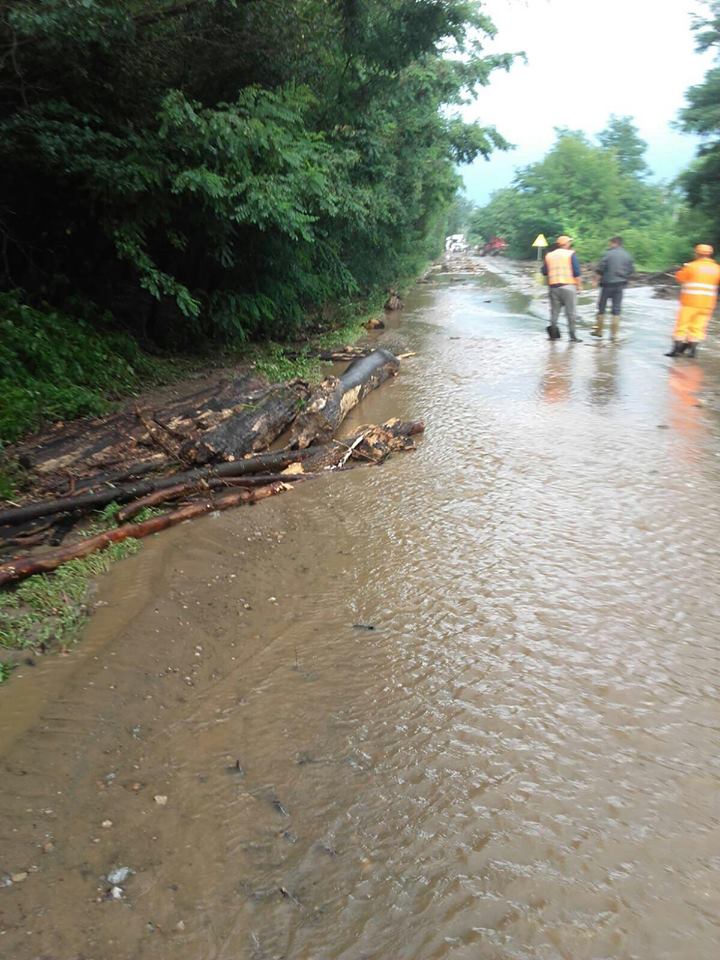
column 209, row 451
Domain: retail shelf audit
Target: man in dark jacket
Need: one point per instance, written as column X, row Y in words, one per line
column 615, row 269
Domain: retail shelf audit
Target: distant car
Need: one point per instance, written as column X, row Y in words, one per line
column 493, row 247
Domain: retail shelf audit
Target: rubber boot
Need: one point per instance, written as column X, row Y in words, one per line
column 691, row 349
column 553, row 332
column 597, row 330
column 614, row 327
column 678, row 349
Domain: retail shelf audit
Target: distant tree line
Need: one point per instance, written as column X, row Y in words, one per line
column 595, row 188
column 229, row 168
column 591, row 190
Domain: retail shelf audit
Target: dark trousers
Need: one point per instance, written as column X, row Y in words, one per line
column 614, row 293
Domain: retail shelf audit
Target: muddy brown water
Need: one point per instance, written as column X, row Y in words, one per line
column 519, row 760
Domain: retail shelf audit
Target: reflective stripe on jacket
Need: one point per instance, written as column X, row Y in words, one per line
column 559, row 267
column 699, row 280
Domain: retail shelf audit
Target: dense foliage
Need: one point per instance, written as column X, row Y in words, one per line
column 228, row 167
column 590, row 191
column 701, row 116
column 57, row 366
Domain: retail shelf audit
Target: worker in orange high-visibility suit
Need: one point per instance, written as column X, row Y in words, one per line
column 698, row 296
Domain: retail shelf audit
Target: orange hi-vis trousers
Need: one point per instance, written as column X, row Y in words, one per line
column 698, row 295
column 691, row 324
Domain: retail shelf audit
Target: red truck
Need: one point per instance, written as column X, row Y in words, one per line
column 493, row 247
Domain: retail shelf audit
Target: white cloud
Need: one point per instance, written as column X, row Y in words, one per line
column 586, row 60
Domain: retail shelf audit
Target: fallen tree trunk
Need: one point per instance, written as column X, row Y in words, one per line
column 27, row 566
column 130, row 472
column 180, row 490
column 252, row 429
column 83, row 503
column 331, row 401
column 102, row 443
column 326, row 454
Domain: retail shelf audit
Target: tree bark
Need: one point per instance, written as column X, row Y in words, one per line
column 27, row 566
column 336, row 396
column 104, row 443
column 180, row 490
column 122, row 494
column 323, row 454
column 252, row 429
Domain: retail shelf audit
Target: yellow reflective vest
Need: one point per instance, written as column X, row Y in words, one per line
column 559, row 267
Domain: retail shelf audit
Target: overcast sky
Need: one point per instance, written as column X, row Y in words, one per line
column 586, row 60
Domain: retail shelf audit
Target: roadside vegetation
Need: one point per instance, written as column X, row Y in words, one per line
column 183, row 177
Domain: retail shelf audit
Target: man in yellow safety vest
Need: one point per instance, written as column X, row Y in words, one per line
column 562, row 269
column 698, row 296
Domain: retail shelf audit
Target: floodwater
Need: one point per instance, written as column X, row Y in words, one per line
column 519, row 761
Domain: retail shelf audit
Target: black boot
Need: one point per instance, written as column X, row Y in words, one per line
column 691, row 349
column 575, row 339
column 678, row 349
column 553, row 332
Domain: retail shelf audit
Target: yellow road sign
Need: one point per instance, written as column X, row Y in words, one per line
column 540, row 241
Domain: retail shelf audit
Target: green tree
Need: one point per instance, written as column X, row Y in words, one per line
column 588, row 191
column 701, row 116
column 203, row 167
column 622, row 138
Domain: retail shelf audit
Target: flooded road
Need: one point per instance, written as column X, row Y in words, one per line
column 518, row 761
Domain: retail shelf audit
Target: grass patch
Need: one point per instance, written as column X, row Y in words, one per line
column 49, row 609
column 12, row 477
column 5, row 671
column 272, row 361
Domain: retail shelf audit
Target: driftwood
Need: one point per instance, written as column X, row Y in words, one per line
column 180, row 490
column 369, row 444
column 343, row 354
column 25, row 567
column 252, row 429
column 372, row 443
column 335, row 396
column 122, row 494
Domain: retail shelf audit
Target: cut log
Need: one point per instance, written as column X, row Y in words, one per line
column 181, row 490
column 343, row 354
column 130, row 472
column 331, row 401
column 253, row 429
column 122, row 494
column 104, row 442
column 27, row 566
column 262, row 462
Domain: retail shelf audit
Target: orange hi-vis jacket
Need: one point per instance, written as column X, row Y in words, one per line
column 699, row 279
column 559, row 267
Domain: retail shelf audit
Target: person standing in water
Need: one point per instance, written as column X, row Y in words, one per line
column 562, row 269
column 698, row 296
column 614, row 270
